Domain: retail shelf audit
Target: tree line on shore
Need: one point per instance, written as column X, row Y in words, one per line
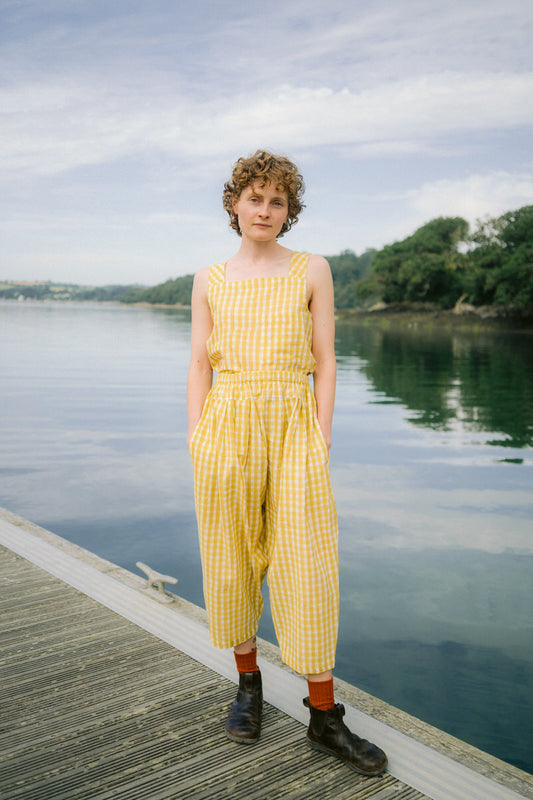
column 46, row 291
column 441, row 263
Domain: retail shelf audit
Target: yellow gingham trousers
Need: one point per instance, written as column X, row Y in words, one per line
column 264, row 505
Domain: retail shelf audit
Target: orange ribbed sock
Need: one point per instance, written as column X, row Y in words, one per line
column 321, row 694
column 246, row 662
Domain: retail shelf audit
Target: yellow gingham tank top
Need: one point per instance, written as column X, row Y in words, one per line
column 261, row 324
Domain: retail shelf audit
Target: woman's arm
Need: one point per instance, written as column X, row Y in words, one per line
column 321, row 306
column 200, row 375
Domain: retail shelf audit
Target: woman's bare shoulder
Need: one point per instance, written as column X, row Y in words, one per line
column 318, row 262
column 202, row 274
column 318, row 269
column 201, row 283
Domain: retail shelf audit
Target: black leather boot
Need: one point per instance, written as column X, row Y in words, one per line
column 244, row 718
column 328, row 733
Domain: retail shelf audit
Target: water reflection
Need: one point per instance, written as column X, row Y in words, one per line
column 435, row 522
column 452, row 649
column 478, row 381
column 436, row 548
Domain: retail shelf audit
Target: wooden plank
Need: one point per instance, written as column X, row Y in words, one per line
column 92, row 706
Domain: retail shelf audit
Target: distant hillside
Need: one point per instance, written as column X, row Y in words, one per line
column 442, row 263
column 47, row 290
column 174, row 292
column 347, row 269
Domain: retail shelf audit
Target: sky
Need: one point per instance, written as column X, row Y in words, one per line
column 120, row 120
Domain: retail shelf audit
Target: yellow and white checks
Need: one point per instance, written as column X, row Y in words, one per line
column 261, row 473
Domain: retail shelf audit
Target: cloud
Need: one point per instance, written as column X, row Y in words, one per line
column 402, row 111
column 473, row 197
column 89, row 88
column 389, row 41
column 119, row 123
column 60, row 126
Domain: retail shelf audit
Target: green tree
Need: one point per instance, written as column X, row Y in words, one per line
column 499, row 267
column 347, row 270
column 429, row 266
column 424, row 267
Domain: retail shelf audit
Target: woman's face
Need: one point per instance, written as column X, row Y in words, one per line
column 262, row 211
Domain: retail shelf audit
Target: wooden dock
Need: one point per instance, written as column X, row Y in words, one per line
column 96, row 701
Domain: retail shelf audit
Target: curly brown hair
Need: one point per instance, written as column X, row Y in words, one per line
column 263, row 168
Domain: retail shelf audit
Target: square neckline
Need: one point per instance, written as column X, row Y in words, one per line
column 294, row 253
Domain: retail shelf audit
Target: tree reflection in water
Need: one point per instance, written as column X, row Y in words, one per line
column 477, row 381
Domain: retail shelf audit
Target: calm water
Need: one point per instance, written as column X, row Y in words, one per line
column 432, row 468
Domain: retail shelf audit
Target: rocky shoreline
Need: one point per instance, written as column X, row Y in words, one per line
column 463, row 314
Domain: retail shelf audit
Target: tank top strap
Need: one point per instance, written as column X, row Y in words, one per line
column 216, row 274
column 298, row 268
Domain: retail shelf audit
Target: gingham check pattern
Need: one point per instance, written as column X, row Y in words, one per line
column 261, row 472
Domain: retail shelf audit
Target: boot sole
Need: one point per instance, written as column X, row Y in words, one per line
column 323, row 749
column 239, row 740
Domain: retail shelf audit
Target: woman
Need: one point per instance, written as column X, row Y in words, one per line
column 259, row 440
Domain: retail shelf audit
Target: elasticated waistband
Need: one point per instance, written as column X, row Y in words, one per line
column 262, row 376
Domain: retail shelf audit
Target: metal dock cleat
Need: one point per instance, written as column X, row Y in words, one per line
column 155, row 585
